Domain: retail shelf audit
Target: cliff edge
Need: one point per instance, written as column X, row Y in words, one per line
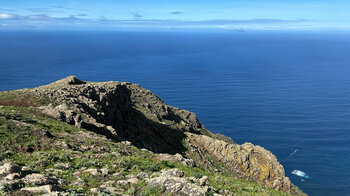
column 127, row 114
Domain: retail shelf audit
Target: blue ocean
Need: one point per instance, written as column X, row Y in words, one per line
column 288, row 92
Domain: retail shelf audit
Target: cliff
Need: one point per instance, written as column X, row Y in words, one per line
column 118, row 138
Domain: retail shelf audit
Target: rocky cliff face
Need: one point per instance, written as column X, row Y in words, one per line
column 120, row 110
column 126, row 112
column 246, row 160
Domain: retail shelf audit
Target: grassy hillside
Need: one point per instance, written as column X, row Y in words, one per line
column 86, row 163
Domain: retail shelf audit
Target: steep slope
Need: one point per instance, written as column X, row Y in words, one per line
column 126, row 112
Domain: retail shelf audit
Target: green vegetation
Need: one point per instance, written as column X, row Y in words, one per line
column 44, row 145
column 22, row 98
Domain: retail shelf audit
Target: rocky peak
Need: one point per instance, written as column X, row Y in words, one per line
column 70, row 80
column 121, row 111
column 124, row 111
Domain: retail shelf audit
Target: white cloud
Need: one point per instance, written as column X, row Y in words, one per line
column 7, row 16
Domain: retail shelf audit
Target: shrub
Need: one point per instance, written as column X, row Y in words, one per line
column 152, row 191
column 3, row 156
column 153, row 167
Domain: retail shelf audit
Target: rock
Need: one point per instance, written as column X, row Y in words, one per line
column 142, row 175
column 38, row 179
column 70, row 80
column 93, row 172
column 39, row 189
column 126, row 112
column 203, row 181
column 104, row 171
column 116, row 174
column 56, row 193
column 173, row 182
column 9, row 168
column 133, row 180
column 130, row 176
column 177, row 186
column 188, row 162
column 108, row 107
column 112, row 190
column 94, row 190
column 128, row 143
column 25, row 168
column 172, row 173
column 63, row 165
column 123, row 182
column 175, row 158
column 246, row 160
column 12, row 176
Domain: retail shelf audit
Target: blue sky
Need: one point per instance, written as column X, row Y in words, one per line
column 176, row 14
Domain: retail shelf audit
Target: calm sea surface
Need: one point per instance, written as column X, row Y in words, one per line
column 287, row 92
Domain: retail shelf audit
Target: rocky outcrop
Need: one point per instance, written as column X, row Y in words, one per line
column 175, row 158
column 246, row 160
column 120, row 110
column 126, row 112
column 173, row 182
column 31, row 184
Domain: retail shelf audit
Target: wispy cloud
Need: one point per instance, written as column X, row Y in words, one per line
column 43, row 20
column 66, row 8
column 176, row 13
column 43, row 10
column 6, row 10
column 136, row 15
column 79, row 15
column 6, row 16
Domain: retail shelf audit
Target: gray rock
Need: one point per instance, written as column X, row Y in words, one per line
column 56, row 193
column 108, row 106
column 38, row 179
column 104, row 171
column 133, row 180
column 39, row 189
column 112, row 190
column 175, row 158
column 172, row 173
column 173, row 182
column 94, row 190
column 93, row 172
column 142, row 175
column 9, row 168
column 177, row 186
column 123, row 182
column 12, row 176
column 203, row 181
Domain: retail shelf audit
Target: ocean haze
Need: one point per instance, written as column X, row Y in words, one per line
column 288, row 92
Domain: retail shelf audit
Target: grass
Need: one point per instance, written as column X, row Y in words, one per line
column 22, row 98
column 23, row 141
